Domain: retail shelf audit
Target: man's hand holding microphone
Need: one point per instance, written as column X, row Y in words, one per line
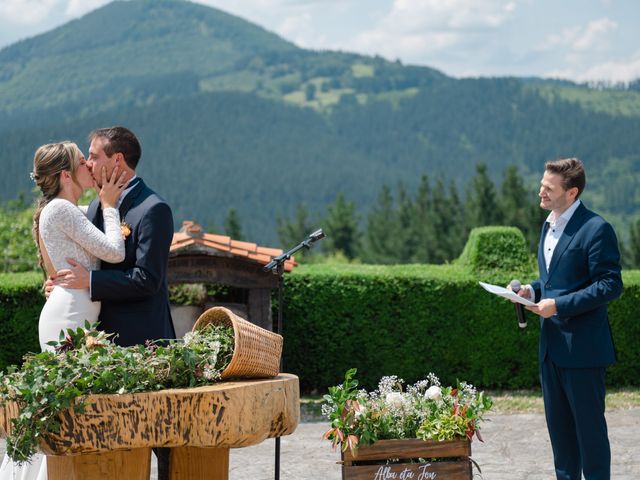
column 516, row 287
column 545, row 308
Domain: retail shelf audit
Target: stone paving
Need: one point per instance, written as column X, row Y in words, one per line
column 516, row 447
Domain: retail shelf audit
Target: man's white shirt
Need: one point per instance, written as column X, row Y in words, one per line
column 554, row 232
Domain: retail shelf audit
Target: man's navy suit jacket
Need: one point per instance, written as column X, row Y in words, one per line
column 134, row 293
column 583, row 277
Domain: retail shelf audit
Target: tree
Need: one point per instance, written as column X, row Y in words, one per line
column 456, row 232
column 382, row 227
column 514, row 200
column 422, row 225
column 342, row 228
column 232, row 226
column 481, row 205
column 292, row 232
column 406, row 241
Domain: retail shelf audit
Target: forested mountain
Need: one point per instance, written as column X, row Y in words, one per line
column 233, row 116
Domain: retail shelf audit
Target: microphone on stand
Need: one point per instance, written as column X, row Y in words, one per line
column 522, row 320
column 317, row 235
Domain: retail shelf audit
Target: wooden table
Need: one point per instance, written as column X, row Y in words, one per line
column 113, row 438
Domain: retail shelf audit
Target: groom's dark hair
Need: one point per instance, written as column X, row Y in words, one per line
column 119, row 140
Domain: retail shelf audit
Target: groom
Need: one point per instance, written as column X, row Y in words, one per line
column 134, row 294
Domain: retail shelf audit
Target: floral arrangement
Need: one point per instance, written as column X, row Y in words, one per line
column 425, row 410
column 86, row 361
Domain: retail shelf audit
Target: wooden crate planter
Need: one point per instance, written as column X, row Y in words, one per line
column 370, row 462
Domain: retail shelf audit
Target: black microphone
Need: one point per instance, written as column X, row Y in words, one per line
column 522, row 320
column 317, row 235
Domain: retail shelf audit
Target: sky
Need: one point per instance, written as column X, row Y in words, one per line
column 579, row 40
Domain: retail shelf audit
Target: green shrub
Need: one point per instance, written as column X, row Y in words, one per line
column 497, row 249
column 21, row 300
column 406, row 321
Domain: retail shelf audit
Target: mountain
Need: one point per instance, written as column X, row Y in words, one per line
column 233, row 116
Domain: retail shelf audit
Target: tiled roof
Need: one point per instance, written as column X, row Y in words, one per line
column 191, row 237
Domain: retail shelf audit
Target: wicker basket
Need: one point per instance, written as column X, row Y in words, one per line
column 256, row 352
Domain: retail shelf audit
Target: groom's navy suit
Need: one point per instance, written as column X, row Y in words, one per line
column 134, row 293
column 576, row 344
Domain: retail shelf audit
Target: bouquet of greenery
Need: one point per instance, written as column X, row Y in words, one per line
column 425, row 410
column 86, row 361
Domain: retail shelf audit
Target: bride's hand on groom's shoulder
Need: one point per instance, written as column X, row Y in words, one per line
column 112, row 188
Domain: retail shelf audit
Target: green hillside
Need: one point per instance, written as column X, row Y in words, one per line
column 232, row 116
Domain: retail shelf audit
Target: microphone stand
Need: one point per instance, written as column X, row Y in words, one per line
column 276, row 266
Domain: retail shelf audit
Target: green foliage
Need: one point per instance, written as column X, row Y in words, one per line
column 87, row 362
column 494, row 249
column 406, row 321
column 19, row 252
column 414, row 319
column 342, row 228
column 21, row 300
column 232, row 226
column 481, row 204
column 425, row 410
column 188, row 294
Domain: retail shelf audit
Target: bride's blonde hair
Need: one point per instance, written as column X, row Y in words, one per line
column 49, row 162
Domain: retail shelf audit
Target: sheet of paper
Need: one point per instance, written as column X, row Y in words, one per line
column 503, row 292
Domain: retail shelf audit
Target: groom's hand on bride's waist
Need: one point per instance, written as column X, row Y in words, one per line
column 74, row 277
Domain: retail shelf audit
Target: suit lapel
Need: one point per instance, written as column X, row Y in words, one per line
column 568, row 235
column 543, row 234
column 128, row 200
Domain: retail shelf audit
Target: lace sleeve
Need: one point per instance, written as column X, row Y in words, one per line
column 108, row 246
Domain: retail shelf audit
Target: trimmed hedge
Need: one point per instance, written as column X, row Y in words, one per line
column 415, row 319
column 497, row 249
column 21, row 300
column 405, row 320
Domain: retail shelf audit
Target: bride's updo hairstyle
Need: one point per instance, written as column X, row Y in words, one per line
column 49, row 162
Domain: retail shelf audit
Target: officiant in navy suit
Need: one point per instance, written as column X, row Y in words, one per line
column 579, row 264
column 134, row 293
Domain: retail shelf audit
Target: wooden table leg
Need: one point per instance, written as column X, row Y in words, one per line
column 120, row 464
column 192, row 463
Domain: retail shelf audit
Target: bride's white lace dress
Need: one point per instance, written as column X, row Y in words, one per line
column 67, row 233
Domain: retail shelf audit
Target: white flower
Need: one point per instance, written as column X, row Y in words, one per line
column 394, row 400
column 210, row 373
column 189, row 337
column 388, row 384
column 433, row 393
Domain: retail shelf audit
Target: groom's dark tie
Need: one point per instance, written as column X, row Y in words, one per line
column 98, row 220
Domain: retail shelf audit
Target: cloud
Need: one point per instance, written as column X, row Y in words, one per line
column 77, row 8
column 622, row 71
column 580, row 39
column 27, row 12
column 415, row 28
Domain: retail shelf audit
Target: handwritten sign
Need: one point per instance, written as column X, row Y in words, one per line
column 420, row 471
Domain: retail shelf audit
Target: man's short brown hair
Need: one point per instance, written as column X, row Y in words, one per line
column 119, row 140
column 571, row 170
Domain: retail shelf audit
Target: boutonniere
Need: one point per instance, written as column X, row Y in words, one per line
column 125, row 228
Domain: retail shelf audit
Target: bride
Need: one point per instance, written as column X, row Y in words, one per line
column 61, row 232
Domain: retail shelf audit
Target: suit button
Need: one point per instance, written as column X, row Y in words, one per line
column 547, row 286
